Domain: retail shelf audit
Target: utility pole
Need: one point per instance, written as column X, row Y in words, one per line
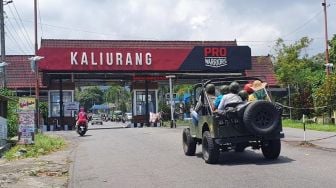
column 37, row 86
column 35, row 25
column 324, row 4
column 3, row 52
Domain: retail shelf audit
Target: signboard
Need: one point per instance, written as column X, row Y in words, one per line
column 194, row 59
column 26, row 127
column 71, row 106
column 26, row 104
column 26, row 112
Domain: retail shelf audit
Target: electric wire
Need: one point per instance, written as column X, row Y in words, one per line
column 39, row 14
column 302, row 25
column 23, row 26
column 14, row 40
column 256, row 42
column 18, row 35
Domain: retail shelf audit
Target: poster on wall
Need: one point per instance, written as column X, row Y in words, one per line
column 26, row 114
column 26, row 127
column 27, row 104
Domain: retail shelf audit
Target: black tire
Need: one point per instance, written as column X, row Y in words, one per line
column 189, row 143
column 240, row 147
column 210, row 149
column 82, row 133
column 272, row 149
column 261, row 117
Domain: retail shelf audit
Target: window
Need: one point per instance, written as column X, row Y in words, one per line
column 54, row 100
column 141, row 102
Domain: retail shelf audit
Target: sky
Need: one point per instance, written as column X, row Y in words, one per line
column 255, row 23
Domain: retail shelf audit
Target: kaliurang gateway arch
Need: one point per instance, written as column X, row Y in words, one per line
column 142, row 63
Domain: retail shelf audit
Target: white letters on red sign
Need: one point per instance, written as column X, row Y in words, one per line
column 109, row 58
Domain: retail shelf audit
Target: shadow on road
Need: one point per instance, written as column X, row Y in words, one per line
column 247, row 157
column 86, row 135
column 102, row 128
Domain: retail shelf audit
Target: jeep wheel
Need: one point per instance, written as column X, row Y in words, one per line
column 210, row 149
column 189, row 144
column 271, row 150
column 261, row 117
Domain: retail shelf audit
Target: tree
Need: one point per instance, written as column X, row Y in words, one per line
column 119, row 96
column 293, row 68
column 325, row 92
column 12, row 118
column 332, row 51
column 89, row 96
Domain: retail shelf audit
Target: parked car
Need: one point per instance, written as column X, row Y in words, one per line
column 96, row 119
column 128, row 116
column 117, row 115
column 254, row 124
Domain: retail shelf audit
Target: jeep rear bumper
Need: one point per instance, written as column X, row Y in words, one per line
column 248, row 138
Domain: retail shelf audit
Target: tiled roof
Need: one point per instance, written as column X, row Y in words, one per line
column 19, row 74
column 262, row 66
column 57, row 43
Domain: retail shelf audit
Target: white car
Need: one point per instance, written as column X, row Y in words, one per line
column 96, row 119
column 128, row 116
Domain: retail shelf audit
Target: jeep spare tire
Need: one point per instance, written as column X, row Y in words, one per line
column 261, row 117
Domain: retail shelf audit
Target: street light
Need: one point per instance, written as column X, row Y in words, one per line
column 172, row 122
column 33, row 64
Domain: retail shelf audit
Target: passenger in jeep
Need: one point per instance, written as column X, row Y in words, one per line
column 210, row 90
column 231, row 97
column 223, row 91
column 259, row 91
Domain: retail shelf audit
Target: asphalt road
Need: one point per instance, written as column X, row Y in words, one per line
column 112, row 156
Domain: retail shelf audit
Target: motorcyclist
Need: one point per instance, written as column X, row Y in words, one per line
column 81, row 117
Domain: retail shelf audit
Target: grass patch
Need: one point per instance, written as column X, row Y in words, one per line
column 178, row 123
column 311, row 126
column 44, row 144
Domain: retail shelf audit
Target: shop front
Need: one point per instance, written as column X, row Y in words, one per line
column 142, row 63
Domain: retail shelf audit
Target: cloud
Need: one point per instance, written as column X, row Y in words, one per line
column 257, row 21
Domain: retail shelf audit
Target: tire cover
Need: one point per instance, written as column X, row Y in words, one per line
column 261, row 117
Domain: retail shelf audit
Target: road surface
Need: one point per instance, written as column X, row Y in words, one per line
column 112, row 156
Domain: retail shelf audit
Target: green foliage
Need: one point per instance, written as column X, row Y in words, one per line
column 183, row 88
column 119, row 96
column 291, row 66
column 312, row 126
column 44, row 144
column 165, row 108
column 332, row 51
column 43, row 108
column 325, row 94
column 89, row 96
column 304, row 75
column 12, row 119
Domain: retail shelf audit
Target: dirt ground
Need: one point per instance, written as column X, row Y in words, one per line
column 46, row 171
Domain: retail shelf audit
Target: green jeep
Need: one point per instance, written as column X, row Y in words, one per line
column 240, row 125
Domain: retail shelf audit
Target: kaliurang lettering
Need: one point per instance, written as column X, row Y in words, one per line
column 110, row 58
column 215, row 62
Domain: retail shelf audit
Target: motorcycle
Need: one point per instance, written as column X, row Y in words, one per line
column 81, row 128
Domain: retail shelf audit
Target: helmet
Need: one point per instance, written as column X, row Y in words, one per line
column 210, row 89
column 224, row 89
column 81, row 109
column 243, row 95
column 234, row 87
column 248, row 88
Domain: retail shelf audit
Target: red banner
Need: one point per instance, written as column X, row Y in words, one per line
column 111, row 59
